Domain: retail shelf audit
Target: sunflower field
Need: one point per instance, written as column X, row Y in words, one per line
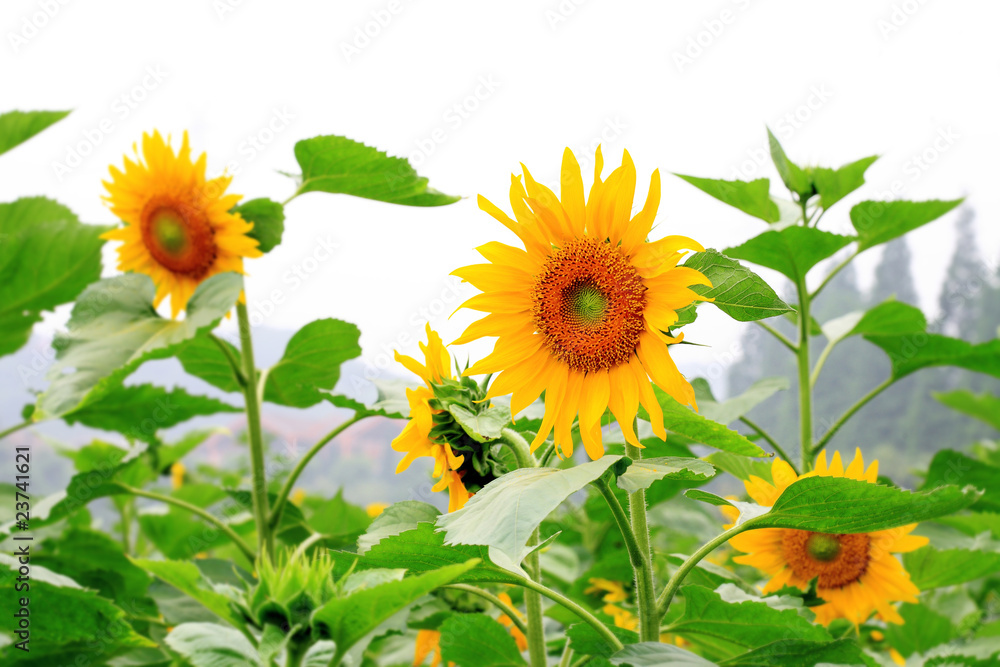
column 591, row 503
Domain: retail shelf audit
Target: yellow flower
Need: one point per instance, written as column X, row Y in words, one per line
column 897, row 657
column 298, row 497
column 177, row 475
column 374, row 509
column 415, row 439
column 178, row 226
column 623, row 617
column 614, row 590
column 582, row 311
column 428, row 644
column 515, row 632
column 857, row 573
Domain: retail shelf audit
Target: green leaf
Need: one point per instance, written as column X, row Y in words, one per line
column 913, row 351
column 725, row 629
column 268, row 218
column 347, row 620
column 688, row 423
column 880, row 221
column 16, row 127
column 791, row 251
column 985, row 408
column 338, row 520
column 657, row 654
column 835, row 184
column 422, row 549
column 800, row 653
column 506, row 511
column 740, row 467
column 923, row 628
column 951, row 467
column 202, row 357
column 187, row 578
column 139, row 411
column 211, row 645
column 339, row 165
column 395, row 519
column 842, row 505
column 814, row 328
column 64, row 617
column 930, row 567
column 114, row 329
column 642, row 473
column 793, row 176
column 311, row 363
column 585, row 640
column 483, row 426
column 751, row 197
column 474, row 640
column 890, row 318
column 738, row 291
column 732, row 409
column 38, row 273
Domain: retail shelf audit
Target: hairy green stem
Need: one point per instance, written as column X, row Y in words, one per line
column 850, row 413
column 778, row 335
column 286, row 489
column 508, row 611
column 771, row 441
column 663, row 602
column 805, row 385
column 533, row 606
column 649, row 619
column 265, row 539
column 582, row 613
column 635, row 554
column 194, row 509
column 520, row 447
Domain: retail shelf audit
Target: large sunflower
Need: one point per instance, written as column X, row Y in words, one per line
column 857, row 573
column 582, row 311
column 415, row 439
column 178, row 226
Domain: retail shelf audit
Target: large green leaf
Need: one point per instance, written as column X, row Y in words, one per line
column 751, row 197
column 139, row 411
column 930, row 567
column 422, row 549
column 913, row 351
column 800, row 653
column 202, row 357
column 880, row 221
column 985, row 408
column 951, row 467
column 686, row 422
column 339, row 521
column 585, row 640
column 268, row 218
column 17, row 127
column 642, row 473
column 936, row 620
column 311, row 363
column 211, row 645
column 340, row 165
column 474, row 640
column 794, row 177
column 791, row 251
column 187, row 578
column 657, row 654
column 835, row 184
column 46, row 259
column 737, row 291
column 890, row 318
column 348, row 619
column 506, row 511
column 64, row 617
column 114, row 329
column 395, row 519
column 724, row 629
column 732, row 409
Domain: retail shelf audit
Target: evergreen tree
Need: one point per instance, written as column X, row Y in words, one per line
column 893, row 277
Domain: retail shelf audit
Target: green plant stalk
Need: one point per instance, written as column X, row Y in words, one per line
column 126, row 512
column 805, row 384
column 289, row 485
column 265, row 539
column 667, row 596
column 582, row 613
column 649, row 619
column 631, row 545
column 771, row 441
column 520, row 447
column 14, row 429
column 850, row 413
column 508, row 611
column 533, row 606
column 194, row 509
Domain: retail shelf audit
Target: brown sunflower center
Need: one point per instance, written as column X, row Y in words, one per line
column 838, row 560
column 588, row 303
column 179, row 237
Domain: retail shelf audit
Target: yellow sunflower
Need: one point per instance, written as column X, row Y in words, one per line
column 428, row 644
column 519, row 638
column 415, row 439
column 178, row 226
column 611, row 592
column 857, row 573
column 582, row 311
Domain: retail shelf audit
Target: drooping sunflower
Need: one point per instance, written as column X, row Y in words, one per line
column 415, row 440
column 583, row 310
column 857, row 573
column 178, row 226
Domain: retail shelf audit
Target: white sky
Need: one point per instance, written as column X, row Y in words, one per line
column 559, row 74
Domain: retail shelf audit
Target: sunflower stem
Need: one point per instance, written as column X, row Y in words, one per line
column 805, row 375
column 771, row 441
column 14, row 429
column 649, row 618
column 635, row 554
column 520, row 447
column 265, row 539
column 533, row 606
column 509, row 611
column 572, row 606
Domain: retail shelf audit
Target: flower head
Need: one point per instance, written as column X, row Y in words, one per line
column 856, row 574
column 583, row 311
column 179, row 229
column 519, row 638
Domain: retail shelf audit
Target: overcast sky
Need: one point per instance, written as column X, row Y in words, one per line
column 468, row 90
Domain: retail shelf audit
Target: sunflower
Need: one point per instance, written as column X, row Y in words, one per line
column 179, row 229
column 611, row 592
column 515, row 632
column 856, row 573
column 415, row 439
column 428, row 644
column 582, row 311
